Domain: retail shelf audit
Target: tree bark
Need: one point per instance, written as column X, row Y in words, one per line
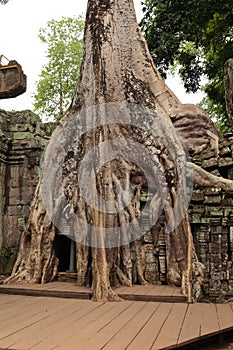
column 228, row 82
column 36, row 261
column 118, row 130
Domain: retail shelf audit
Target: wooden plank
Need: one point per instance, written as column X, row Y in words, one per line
column 29, row 315
column 72, row 287
column 153, row 298
column 22, row 286
column 48, row 293
column 225, row 316
column 95, row 334
column 18, row 308
column 152, row 293
column 10, row 301
column 153, row 289
column 33, row 334
column 137, row 290
column 5, row 299
column 99, row 315
column 176, row 291
column 170, row 331
column 61, row 327
column 191, row 328
column 210, row 323
column 127, row 333
column 71, row 290
column 128, row 290
column 145, row 338
column 166, row 290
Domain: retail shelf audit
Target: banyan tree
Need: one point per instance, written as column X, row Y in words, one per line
column 126, row 135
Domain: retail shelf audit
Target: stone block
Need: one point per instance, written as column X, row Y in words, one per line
column 147, row 237
column 198, row 196
column 152, row 267
column 150, row 258
column 209, row 191
column 227, row 201
column 207, row 155
column 223, row 162
column 213, row 199
column 15, row 171
column 228, row 211
column 195, row 218
column 10, row 234
column 152, row 277
column 215, row 221
column 225, row 150
column 14, row 192
column 15, row 183
column 214, row 249
column 12, row 210
column 230, row 173
column 209, row 163
column 205, row 220
column 217, row 230
column 197, row 209
column 218, row 212
column 7, row 260
column 22, row 135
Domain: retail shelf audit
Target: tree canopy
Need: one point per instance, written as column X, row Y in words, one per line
column 59, row 77
column 198, row 34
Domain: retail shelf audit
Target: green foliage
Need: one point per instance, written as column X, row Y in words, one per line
column 217, row 112
column 194, row 35
column 59, row 77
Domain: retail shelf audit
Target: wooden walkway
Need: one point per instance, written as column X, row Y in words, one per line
column 161, row 320
column 46, row 323
column 71, row 290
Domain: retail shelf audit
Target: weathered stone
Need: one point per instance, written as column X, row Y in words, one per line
column 230, row 173
column 147, row 237
column 152, row 267
column 211, row 191
column 195, row 218
column 13, row 81
column 212, row 200
column 198, row 196
column 23, row 138
column 207, row 155
column 225, row 150
column 199, row 209
column 208, row 163
column 223, row 162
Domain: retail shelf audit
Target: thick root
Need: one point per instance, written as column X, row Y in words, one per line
column 204, row 179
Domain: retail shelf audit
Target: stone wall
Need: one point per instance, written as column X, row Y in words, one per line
column 211, row 214
column 211, row 217
column 23, row 138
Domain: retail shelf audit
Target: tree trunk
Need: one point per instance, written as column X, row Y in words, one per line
column 116, row 142
column 228, row 82
column 36, row 261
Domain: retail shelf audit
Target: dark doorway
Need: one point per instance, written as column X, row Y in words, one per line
column 65, row 252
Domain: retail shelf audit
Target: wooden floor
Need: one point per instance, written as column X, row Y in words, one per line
column 71, row 290
column 46, row 323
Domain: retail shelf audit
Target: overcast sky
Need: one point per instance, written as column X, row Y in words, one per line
column 20, row 21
